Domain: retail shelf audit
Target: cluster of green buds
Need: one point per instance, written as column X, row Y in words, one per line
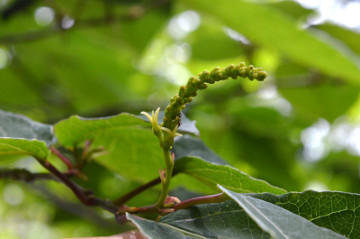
column 177, row 103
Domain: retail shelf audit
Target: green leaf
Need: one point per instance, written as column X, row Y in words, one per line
column 20, row 127
column 266, row 26
column 347, row 36
column 278, row 222
column 131, row 148
column 76, row 129
column 156, row 230
column 211, row 36
column 338, row 211
column 291, row 8
column 327, row 100
column 21, row 135
column 326, row 209
column 34, row 147
column 220, row 220
column 213, row 174
column 189, row 146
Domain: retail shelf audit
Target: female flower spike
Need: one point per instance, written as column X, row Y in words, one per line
column 153, row 118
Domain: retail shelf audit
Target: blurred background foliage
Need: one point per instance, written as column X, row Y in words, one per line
column 300, row 129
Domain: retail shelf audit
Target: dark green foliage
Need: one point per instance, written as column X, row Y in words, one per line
column 266, row 141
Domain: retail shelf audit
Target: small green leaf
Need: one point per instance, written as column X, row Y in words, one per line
column 213, row 174
column 279, row 222
column 34, row 147
column 21, row 135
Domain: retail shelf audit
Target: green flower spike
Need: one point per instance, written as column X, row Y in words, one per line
column 153, row 118
column 186, row 93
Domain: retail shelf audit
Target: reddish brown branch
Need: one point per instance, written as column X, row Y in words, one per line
column 24, row 175
column 62, row 157
column 85, row 197
column 217, row 198
column 77, row 191
column 123, row 199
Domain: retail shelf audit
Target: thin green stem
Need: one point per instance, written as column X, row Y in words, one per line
column 168, row 174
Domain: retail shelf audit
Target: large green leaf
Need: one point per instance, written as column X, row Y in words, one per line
column 347, row 36
column 266, row 26
column 131, row 148
column 278, row 222
column 337, row 211
column 332, row 210
column 21, row 135
column 222, row 220
column 291, row 8
column 327, row 100
column 211, row 36
column 213, row 174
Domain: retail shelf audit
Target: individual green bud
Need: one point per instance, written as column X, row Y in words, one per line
column 204, row 76
column 261, row 75
column 182, row 91
column 202, row 87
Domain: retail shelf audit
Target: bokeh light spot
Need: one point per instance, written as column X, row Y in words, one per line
column 13, row 194
column 44, row 16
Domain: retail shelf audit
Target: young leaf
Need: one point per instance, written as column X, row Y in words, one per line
column 76, row 129
column 220, row 220
column 213, row 174
column 278, row 222
column 131, row 149
column 21, row 135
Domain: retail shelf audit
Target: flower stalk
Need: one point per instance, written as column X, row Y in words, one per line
column 167, row 132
